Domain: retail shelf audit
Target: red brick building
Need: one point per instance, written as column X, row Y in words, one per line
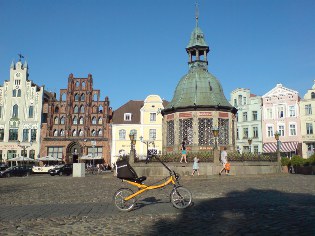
column 77, row 124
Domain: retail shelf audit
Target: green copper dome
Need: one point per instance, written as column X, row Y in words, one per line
column 198, row 89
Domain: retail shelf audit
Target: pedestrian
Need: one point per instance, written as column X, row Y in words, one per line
column 224, row 160
column 195, row 166
column 184, row 152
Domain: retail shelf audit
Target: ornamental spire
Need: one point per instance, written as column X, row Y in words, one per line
column 197, row 13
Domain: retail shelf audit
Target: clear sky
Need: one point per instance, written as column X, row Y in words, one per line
column 134, row 48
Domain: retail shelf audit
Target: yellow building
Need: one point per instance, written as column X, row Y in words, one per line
column 143, row 118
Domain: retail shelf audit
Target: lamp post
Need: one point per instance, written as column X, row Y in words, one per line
column 132, row 149
column 215, row 131
column 277, row 135
column 250, row 143
column 24, row 147
column 147, row 143
column 93, row 151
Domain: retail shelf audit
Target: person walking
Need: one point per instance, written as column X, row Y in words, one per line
column 224, row 160
column 184, row 152
column 195, row 166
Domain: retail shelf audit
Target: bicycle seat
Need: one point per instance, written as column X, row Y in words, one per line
column 137, row 180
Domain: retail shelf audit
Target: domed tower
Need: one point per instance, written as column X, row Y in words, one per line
column 199, row 107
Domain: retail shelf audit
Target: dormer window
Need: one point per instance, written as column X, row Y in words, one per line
column 127, row 117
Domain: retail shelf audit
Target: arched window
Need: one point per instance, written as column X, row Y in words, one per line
column 75, row 120
column 76, row 109
column 82, row 109
column 81, row 133
column 74, row 133
column 56, row 109
column 94, row 110
column 56, row 120
column 83, row 84
column 77, row 84
column 100, row 120
column 312, row 95
column 63, row 97
column 122, row 134
column 100, row 133
column 81, row 120
column 93, row 132
column 15, row 112
column 94, row 120
column 31, row 112
column 55, row 133
column 62, row 132
column 62, row 120
column 100, row 109
column 19, row 93
column 14, row 93
column 76, row 97
column 95, row 97
column 82, row 97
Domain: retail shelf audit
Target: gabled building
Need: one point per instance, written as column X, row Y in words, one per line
column 307, row 106
column 248, row 131
column 144, row 120
column 281, row 114
column 78, row 123
column 21, row 103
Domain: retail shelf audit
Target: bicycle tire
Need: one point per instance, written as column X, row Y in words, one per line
column 181, row 197
column 119, row 197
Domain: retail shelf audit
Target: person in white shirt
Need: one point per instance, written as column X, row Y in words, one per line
column 224, row 160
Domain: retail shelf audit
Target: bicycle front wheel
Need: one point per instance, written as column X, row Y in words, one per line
column 120, row 202
column 181, row 197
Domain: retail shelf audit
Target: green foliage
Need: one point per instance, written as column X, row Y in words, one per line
column 297, row 161
column 235, row 156
column 285, row 161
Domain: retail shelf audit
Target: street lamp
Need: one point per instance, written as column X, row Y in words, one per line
column 147, row 143
column 277, row 135
column 24, row 146
column 250, row 143
column 132, row 141
column 93, row 151
column 215, row 131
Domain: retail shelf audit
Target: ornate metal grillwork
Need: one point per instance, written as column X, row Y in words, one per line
column 205, row 134
column 186, row 130
column 223, row 131
column 170, row 133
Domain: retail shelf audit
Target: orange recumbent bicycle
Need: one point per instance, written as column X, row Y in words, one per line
column 125, row 198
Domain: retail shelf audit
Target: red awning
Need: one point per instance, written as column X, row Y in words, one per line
column 284, row 147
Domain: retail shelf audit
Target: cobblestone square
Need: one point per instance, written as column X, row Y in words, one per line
column 280, row 204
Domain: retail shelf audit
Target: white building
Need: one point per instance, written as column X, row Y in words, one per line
column 248, row 132
column 307, row 105
column 20, row 114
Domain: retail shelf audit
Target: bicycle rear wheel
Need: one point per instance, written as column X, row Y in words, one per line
column 181, row 197
column 120, row 202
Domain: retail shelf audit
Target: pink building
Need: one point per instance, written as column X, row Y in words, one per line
column 281, row 114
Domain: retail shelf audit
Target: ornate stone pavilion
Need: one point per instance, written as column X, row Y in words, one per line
column 199, row 106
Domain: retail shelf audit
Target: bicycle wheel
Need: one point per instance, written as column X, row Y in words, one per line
column 120, row 203
column 180, row 197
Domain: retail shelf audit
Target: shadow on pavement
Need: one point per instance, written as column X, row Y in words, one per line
column 252, row 212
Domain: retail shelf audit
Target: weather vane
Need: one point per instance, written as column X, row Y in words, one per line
column 20, row 56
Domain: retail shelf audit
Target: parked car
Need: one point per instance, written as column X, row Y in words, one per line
column 61, row 170
column 16, row 171
column 3, row 167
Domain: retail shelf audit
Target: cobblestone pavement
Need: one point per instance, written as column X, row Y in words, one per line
column 281, row 204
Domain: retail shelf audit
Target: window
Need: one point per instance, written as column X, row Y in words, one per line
column 81, row 133
column 122, row 134
column 244, row 116
column 269, row 113
column 32, row 154
column 75, row 120
column 55, row 152
column 76, row 109
column 312, row 95
column 127, row 117
column 292, row 111
column 83, row 84
column 33, row 134
column 15, row 113
column 31, row 112
column 255, row 149
column 57, row 109
column 308, row 109
column 82, row 97
column 0, row 111
column 55, row 133
column 25, row 135
column 270, row 131
column 152, row 134
column 93, row 133
column 280, row 112
column 13, row 134
column 245, row 133
column 292, row 129
column 74, row 133
column 100, row 120
column 62, row 120
column 14, row 93
column 64, row 97
column 81, row 120
column 62, row 132
column 239, row 100
column 100, row 133
column 133, row 131
column 152, row 116
column 19, row 93
column 56, row 120
column 11, row 154
column 237, row 134
column 235, row 102
column 82, row 109
column 96, row 151
column 281, row 130
column 94, row 120
column 95, row 97
column 309, row 128
column 244, row 101
column 76, row 97
column 255, row 132
column 1, row 134
column 255, row 115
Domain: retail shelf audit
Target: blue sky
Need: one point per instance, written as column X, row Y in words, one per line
column 134, row 48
